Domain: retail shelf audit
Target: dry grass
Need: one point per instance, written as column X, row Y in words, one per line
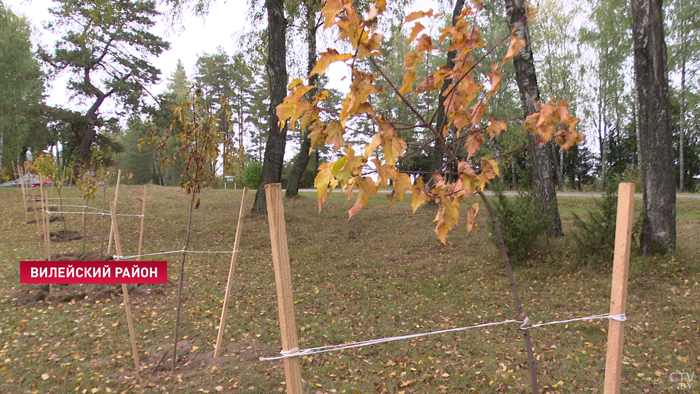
column 383, row 273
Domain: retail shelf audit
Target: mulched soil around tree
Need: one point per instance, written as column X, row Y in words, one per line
column 66, row 236
column 51, row 219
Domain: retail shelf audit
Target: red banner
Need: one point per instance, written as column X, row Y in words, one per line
column 93, row 272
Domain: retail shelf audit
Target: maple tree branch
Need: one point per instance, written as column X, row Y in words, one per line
column 516, row 150
column 393, row 87
column 424, row 172
column 413, row 152
column 449, row 93
column 413, row 109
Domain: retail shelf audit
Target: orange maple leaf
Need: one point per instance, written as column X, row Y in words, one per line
column 446, row 218
column 495, row 78
column 367, row 190
column 474, row 142
column 496, row 126
column 417, row 28
column 514, row 48
column 327, row 58
column 472, row 216
column 330, row 10
column 419, row 14
column 418, row 196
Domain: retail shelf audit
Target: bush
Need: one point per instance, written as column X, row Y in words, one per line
column 521, row 224
column 594, row 234
column 252, row 174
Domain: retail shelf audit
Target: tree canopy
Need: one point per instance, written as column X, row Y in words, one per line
column 106, row 50
column 22, row 126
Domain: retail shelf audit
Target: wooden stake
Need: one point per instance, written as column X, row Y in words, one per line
column 232, row 269
column 47, row 230
column 24, row 194
column 143, row 216
column 36, row 216
column 45, row 220
column 111, row 229
column 283, row 280
column 618, row 296
column 125, row 291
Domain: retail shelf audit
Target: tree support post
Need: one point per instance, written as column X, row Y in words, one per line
column 125, row 292
column 143, row 217
column 618, row 296
column 32, row 197
column 46, row 220
column 20, row 176
column 283, row 281
column 111, row 228
column 231, row 271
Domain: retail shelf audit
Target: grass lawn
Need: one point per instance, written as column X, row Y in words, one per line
column 383, row 273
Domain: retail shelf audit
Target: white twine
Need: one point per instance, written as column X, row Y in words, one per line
column 83, row 206
column 57, row 198
column 524, row 325
column 115, row 257
column 330, row 348
column 88, row 213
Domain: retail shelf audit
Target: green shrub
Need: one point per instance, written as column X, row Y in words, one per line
column 521, row 224
column 594, row 234
column 252, row 174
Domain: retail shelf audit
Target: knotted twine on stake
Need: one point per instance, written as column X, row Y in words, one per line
column 524, row 325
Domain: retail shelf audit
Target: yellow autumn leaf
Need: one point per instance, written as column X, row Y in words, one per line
column 513, row 48
column 418, row 196
column 367, row 190
column 330, row 10
column 446, row 218
column 322, row 182
column 472, row 216
column 496, row 126
column 401, row 183
column 489, row 168
column 495, row 78
column 417, row 28
column 409, row 78
column 327, row 58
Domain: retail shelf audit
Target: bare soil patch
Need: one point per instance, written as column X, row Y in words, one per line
column 65, row 236
column 51, row 219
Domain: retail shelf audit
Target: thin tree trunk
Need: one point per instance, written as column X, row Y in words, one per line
column 520, row 313
column 561, row 169
column 681, row 125
column 651, row 77
column 181, row 280
column 102, row 231
column 2, row 144
column 601, row 132
column 302, row 158
column 277, row 75
column 543, row 173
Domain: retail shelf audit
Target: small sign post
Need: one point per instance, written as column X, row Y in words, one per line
column 228, row 179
